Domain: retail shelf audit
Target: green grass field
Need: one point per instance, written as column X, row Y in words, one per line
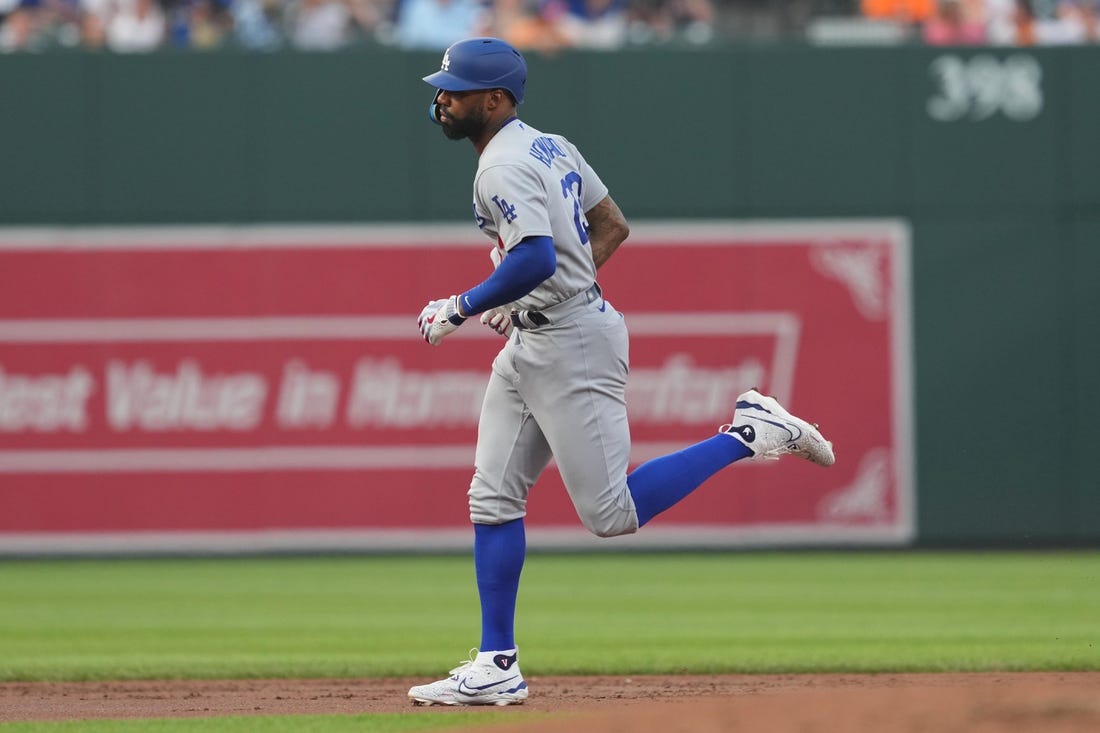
column 633, row 613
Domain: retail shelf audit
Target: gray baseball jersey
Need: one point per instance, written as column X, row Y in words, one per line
column 532, row 184
column 558, row 390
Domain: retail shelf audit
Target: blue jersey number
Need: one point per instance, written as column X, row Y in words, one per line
column 571, row 188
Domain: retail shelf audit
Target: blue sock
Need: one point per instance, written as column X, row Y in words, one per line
column 658, row 484
column 499, row 550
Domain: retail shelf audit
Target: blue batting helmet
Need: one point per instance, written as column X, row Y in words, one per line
column 481, row 63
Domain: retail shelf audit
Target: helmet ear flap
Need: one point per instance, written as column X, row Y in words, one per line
column 433, row 108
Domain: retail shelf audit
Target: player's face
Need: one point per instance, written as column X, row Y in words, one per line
column 462, row 114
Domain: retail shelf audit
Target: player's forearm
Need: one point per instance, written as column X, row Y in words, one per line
column 607, row 229
column 526, row 266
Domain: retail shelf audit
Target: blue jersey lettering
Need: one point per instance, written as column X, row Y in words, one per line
column 481, row 220
column 571, row 188
column 544, row 149
column 506, row 209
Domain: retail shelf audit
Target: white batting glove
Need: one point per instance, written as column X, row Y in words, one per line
column 498, row 319
column 439, row 318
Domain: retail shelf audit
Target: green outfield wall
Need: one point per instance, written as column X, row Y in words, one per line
column 991, row 156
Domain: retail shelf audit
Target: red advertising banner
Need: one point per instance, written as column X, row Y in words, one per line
column 256, row 388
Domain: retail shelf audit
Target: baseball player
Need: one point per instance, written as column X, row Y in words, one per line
column 557, row 388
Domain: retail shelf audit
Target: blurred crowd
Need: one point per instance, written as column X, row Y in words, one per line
column 993, row 22
column 541, row 25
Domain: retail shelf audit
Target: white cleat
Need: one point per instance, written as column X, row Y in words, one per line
column 489, row 678
column 769, row 431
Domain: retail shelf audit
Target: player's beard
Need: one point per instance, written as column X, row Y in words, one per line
column 459, row 128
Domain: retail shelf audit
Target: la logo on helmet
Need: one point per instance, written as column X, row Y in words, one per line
column 446, row 65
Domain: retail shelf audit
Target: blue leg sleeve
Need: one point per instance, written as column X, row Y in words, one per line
column 499, row 551
column 658, row 484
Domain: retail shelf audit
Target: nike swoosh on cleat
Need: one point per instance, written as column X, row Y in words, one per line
column 780, row 425
column 463, row 687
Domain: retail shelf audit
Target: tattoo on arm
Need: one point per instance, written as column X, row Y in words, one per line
column 607, row 229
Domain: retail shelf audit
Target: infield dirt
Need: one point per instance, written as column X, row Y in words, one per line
column 1051, row 702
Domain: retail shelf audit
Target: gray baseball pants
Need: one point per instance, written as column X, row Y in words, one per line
column 559, row 391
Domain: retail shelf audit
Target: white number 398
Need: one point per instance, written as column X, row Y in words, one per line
column 979, row 87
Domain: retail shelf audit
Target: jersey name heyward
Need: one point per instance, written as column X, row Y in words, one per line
column 544, row 149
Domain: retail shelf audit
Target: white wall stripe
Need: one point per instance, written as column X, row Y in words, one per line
column 354, row 328
column 263, row 541
column 260, row 458
column 447, row 234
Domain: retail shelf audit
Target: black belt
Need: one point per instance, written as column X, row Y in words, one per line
column 529, row 319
